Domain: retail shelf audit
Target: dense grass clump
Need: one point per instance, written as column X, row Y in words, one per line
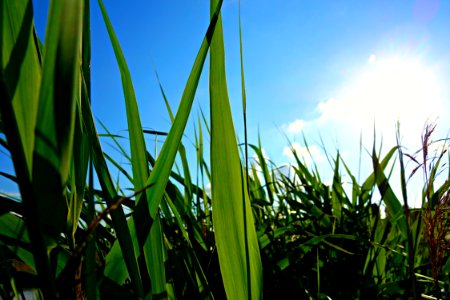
column 261, row 231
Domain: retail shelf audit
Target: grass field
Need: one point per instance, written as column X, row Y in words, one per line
column 260, row 232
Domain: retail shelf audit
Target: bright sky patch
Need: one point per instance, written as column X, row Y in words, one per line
column 386, row 91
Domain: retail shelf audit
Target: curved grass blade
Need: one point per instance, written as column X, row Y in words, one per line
column 151, row 245
column 395, row 211
column 20, row 78
column 125, row 244
column 162, row 169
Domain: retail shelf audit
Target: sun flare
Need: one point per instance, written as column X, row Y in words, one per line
column 386, row 91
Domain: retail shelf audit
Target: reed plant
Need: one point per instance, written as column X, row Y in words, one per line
column 261, row 231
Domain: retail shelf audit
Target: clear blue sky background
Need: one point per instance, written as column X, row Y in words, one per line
column 298, row 55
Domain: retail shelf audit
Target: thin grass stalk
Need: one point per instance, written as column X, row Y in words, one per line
column 91, row 280
column 246, row 183
column 412, row 277
column 90, row 269
column 318, row 272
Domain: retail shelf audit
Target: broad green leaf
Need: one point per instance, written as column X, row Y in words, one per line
column 56, row 113
column 235, row 235
column 20, row 77
column 13, row 228
column 20, row 80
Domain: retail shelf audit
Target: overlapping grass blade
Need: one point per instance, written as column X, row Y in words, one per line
column 395, row 210
column 151, row 245
column 162, row 169
column 18, row 110
column 125, row 246
column 182, row 151
column 56, row 113
column 42, row 128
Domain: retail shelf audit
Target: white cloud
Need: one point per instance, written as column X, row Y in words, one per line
column 312, row 153
column 382, row 92
column 386, row 91
column 294, row 127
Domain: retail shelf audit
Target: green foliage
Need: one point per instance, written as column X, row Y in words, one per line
column 262, row 231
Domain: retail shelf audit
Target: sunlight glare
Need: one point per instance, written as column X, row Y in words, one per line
column 388, row 90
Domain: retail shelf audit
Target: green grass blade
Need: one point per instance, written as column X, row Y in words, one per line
column 394, row 207
column 162, row 169
column 126, row 250
column 91, row 264
column 182, row 152
column 56, row 113
column 265, row 170
column 20, row 78
column 232, row 215
column 137, row 143
column 21, row 71
column 150, row 244
column 337, row 198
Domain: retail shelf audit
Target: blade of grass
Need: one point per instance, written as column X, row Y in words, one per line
column 235, row 234
column 151, row 245
column 412, row 278
column 182, row 152
column 19, row 110
column 162, row 169
column 395, row 211
column 160, row 174
column 125, row 244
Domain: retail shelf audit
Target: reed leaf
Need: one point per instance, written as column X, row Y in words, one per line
column 235, row 234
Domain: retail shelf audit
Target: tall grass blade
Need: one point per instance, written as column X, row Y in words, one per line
column 125, row 246
column 20, row 73
column 182, row 151
column 150, row 244
column 232, row 215
column 162, row 169
column 412, row 277
column 20, row 79
column 56, row 113
column 394, row 207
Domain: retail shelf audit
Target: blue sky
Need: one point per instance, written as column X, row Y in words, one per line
column 318, row 68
